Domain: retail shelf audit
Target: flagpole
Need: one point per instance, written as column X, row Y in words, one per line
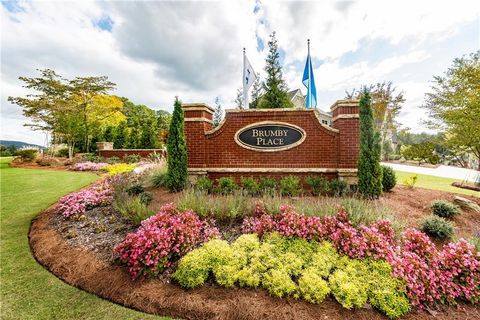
column 245, row 93
column 309, row 93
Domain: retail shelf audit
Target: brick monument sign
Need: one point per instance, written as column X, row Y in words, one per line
column 273, row 142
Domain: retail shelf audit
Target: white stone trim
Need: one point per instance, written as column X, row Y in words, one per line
column 317, row 115
column 272, row 170
column 344, row 103
column 198, row 107
column 346, row 116
column 198, row 120
column 261, row 123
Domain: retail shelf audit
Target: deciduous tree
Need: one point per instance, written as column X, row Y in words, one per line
column 386, row 106
column 454, row 104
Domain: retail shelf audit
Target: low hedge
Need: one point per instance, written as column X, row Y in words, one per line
column 295, row 267
column 286, row 186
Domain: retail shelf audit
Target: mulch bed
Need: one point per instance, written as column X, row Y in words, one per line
column 92, row 270
column 411, row 206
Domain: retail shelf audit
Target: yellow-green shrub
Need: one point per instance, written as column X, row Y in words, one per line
column 193, row 269
column 312, row 287
column 348, row 290
column 278, row 283
column 277, row 262
column 118, row 168
column 325, row 259
column 386, row 293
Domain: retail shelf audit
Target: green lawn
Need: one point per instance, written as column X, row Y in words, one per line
column 28, row 291
column 435, row 183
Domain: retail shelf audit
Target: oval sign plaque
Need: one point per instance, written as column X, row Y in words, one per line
column 270, row 136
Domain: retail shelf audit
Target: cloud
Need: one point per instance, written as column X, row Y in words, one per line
column 156, row 50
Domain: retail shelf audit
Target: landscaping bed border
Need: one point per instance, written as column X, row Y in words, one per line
column 82, row 269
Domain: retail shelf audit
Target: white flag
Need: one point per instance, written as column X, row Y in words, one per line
column 249, row 77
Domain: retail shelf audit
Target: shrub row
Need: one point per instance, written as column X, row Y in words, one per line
column 295, row 267
column 286, row 186
column 161, row 240
column 92, row 157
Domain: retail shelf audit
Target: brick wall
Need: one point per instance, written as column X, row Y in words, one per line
column 325, row 150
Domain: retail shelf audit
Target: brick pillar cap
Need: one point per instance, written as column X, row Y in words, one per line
column 197, row 107
column 344, row 103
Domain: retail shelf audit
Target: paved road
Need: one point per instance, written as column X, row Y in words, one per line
column 441, row 171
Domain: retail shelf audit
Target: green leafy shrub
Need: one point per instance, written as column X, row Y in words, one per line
column 204, row 184
column 226, row 185
column 312, row 287
column 337, row 187
column 27, row 155
column 389, row 179
column 437, row 227
column 63, row 152
column 410, row 181
column 92, row 157
column 290, row 186
column 113, row 160
column 146, row 198
column 251, row 186
column 134, row 189
column 132, row 158
column 132, row 208
column 318, row 185
column 158, row 177
column 444, row 209
column 268, row 185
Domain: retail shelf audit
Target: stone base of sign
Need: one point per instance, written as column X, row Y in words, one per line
column 273, row 142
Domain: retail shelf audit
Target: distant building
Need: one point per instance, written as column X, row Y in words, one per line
column 299, row 101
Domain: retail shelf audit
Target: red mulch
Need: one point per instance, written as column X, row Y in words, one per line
column 410, row 206
column 84, row 270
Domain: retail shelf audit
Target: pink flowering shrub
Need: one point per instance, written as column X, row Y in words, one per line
column 431, row 275
column 88, row 166
column 161, row 240
column 77, row 203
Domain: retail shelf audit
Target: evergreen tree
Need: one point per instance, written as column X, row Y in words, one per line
column 218, row 115
column 369, row 169
column 275, row 89
column 256, row 93
column 177, row 151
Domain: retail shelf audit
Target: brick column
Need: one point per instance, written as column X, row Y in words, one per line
column 345, row 118
column 198, row 120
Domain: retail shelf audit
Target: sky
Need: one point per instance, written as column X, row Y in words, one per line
column 156, row 50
